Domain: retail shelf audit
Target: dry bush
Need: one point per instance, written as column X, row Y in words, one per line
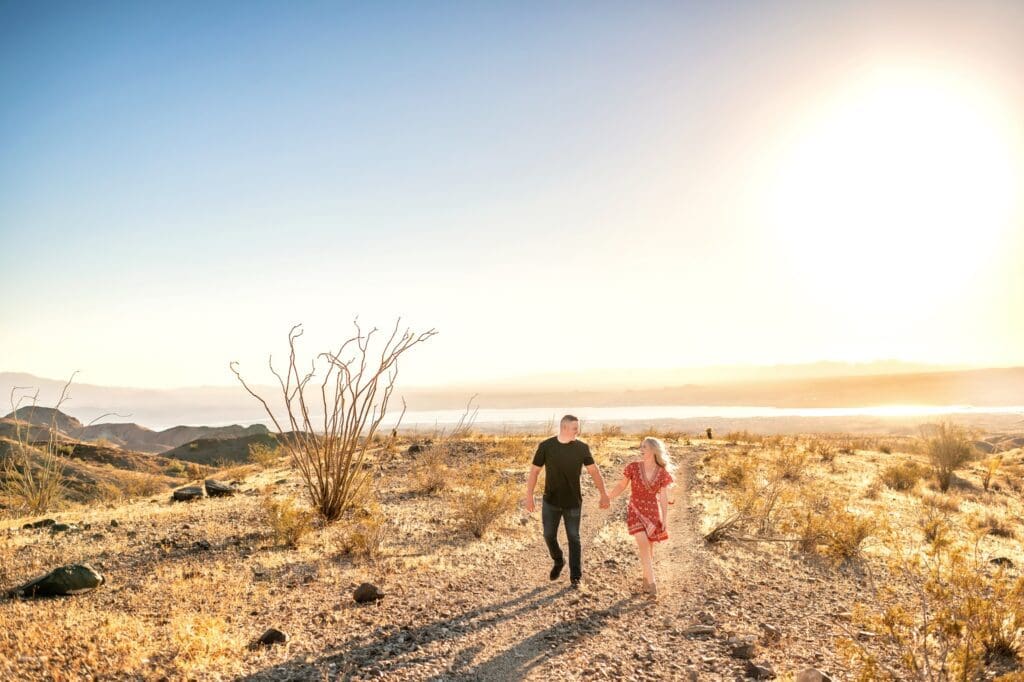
column 823, row 449
column 430, row 470
column 790, row 462
column 288, row 522
column 903, row 476
column 874, row 489
column 993, row 524
column 489, row 498
column 744, row 437
column 755, row 508
column 365, row 538
column 824, row 526
column 949, row 449
column 991, row 465
column 264, row 455
column 330, row 449
column 511, row 449
column 945, row 502
column 32, row 479
column 947, row 614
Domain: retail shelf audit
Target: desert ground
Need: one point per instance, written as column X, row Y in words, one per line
column 790, row 557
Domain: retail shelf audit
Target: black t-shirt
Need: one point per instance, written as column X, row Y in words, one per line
column 563, row 463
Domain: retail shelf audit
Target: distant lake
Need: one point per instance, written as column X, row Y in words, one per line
column 529, row 416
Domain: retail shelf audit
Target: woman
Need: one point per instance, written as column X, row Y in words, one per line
column 647, row 511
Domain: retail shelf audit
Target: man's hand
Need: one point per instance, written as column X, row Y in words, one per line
column 605, row 502
column 528, row 503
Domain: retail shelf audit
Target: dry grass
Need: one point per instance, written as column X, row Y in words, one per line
column 365, row 537
column 430, row 470
column 949, row 449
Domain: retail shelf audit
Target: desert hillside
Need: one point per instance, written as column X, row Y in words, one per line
column 784, row 552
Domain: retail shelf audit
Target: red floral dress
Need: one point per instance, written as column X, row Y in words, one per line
column 642, row 513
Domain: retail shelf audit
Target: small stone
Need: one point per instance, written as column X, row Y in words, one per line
column 41, row 523
column 187, row 494
column 215, row 488
column 812, row 675
column 1001, row 561
column 865, row 634
column 367, row 592
column 741, row 648
column 62, row 527
column 760, row 671
column 699, row 630
column 114, row 523
column 272, row 636
column 770, row 633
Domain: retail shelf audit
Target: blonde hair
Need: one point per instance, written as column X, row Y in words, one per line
column 661, row 455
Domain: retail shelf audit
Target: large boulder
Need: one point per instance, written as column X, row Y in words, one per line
column 63, row 581
column 215, row 488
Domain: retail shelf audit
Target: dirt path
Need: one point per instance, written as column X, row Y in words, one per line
column 508, row 621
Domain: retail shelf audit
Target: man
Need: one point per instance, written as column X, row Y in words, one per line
column 563, row 458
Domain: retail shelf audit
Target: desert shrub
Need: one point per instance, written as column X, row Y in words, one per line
column 944, row 502
column 947, row 614
column 885, row 449
column 755, row 505
column 288, row 522
column 790, row 462
column 511, row 448
column 991, row 465
column 264, row 455
column 365, row 537
column 175, row 468
column 874, row 489
column 993, row 524
column 478, row 507
column 328, row 440
column 142, row 485
column 824, row 526
column 430, row 470
column 824, row 450
column 734, row 472
column 744, row 437
column 949, row 449
column 32, row 478
column 903, row 476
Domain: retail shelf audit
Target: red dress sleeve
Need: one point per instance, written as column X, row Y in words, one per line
column 666, row 478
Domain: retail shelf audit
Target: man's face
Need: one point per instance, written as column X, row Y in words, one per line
column 570, row 430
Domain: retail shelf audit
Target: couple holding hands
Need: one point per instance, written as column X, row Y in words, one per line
column 563, row 458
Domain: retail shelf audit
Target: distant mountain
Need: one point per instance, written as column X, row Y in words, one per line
column 130, row 436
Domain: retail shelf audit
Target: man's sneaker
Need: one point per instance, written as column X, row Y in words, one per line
column 556, row 570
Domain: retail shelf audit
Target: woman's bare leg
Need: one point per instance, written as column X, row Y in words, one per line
column 643, row 547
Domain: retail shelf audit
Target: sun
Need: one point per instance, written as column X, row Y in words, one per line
column 896, row 191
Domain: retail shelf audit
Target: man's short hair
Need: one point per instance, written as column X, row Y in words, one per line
column 568, row 418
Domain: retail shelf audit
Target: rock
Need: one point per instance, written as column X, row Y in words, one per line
column 63, row 581
column 41, row 523
column 114, row 523
column 699, row 630
column 201, row 545
column 367, row 592
column 741, row 647
column 1001, row 561
column 272, row 636
column 759, row 671
column 865, row 634
column 812, row 675
column 62, row 527
column 416, row 448
column 770, row 633
column 215, row 488
column 187, row 494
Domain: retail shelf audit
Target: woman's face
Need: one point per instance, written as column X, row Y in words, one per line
column 646, row 449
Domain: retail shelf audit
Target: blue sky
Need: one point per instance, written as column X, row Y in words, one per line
column 181, row 183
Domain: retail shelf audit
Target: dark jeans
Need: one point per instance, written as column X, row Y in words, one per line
column 551, row 515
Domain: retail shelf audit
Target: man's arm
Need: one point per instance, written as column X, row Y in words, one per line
column 531, row 483
column 595, row 474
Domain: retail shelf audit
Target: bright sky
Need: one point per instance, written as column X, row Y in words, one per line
column 551, row 187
